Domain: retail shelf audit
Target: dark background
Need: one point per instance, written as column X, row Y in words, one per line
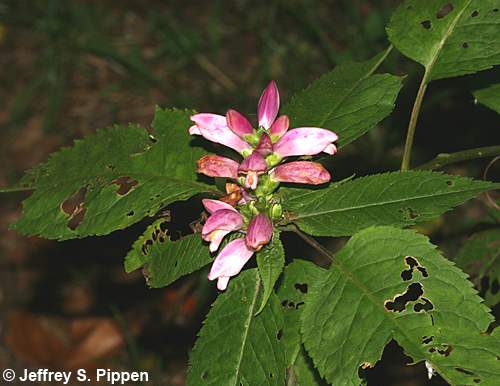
column 70, row 67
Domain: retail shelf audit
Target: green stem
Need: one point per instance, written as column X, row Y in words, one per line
column 313, row 243
column 444, row 159
column 405, row 164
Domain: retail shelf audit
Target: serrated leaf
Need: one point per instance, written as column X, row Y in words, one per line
column 480, row 258
column 298, row 278
column 348, row 100
column 449, row 38
column 112, row 179
column 489, row 97
column 388, row 283
column 235, row 347
column 398, row 198
column 304, row 372
column 270, row 262
column 165, row 261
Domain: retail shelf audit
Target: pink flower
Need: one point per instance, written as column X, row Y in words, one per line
column 214, row 205
column 269, row 104
column 279, row 127
column 238, row 123
column 300, row 172
column 229, row 262
column 260, row 232
column 219, row 224
column 265, row 145
column 214, row 128
column 306, row 141
column 217, row 166
column 253, row 166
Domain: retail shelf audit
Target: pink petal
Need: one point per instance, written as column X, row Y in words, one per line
column 251, row 180
column 214, row 205
column 217, row 166
column 238, row 123
column 280, row 126
column 265, row 145
column 330, row 149
column 194, row 130
column 305, row 141
column 260, row 232
column 214, row 128
column 301, row 172
column 269, row 104
column 222, row 283
column 230, row 261
column 254, row 162
column 224, row 219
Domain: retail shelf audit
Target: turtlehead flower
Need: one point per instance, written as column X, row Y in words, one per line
column 269, row 104
column 214, row 128
column 224, row 219
column 217, row 166
column 306, row 141
column 253, row 166
column 249, row 206
column 300, row 172
column 260, row 232
column 229, row 262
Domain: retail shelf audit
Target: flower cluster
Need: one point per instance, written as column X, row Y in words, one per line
column 250, row 207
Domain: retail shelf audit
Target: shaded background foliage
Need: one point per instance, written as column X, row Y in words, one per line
column 69, row 68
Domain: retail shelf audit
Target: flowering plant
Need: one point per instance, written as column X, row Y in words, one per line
column 284, row 319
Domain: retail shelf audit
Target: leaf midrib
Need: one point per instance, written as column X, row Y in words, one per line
column 247, row 328
column 320, row 213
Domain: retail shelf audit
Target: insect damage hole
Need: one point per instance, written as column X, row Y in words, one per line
column 279, row 335
column 412, row 264
column 475, row 13
column 74, row 207
column 465, row 45
column 125, row 185
column 302, row 287
column 399, row 302
column 425, row 306
column 426, row 24
column 445, row 10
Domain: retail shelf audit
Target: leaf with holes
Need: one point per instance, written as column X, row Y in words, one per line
column 388, row 283
column 480, row 258
column 270, row 262
column 297, row 279
column 489, row 97
column 398, row 198
column 165, row 261
column 112, row 179
column 449, row 38
column 349, row 100
column 235, row 347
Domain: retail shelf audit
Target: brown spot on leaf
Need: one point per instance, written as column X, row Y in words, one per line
column 366, row 365
column 446, row 351
column 444, row 11
column 125, row 185
column 73, row 206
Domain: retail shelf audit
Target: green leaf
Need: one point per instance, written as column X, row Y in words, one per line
column 480, row 258
column 398, row 198
column 235, row 347
column 304, row 372
column 489, row 97
column 112, row 179
column 165, row 260
column 349, row 100
column 270, row 262
column 388, row 283
column 298, row 278
column 449, row 38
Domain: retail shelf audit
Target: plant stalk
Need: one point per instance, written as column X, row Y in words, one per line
column 405, row 163
column 444, row 159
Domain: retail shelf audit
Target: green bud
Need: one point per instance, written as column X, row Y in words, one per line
column 266, row 186
column 252, row 139
column 276, row 212
column 273, row 160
